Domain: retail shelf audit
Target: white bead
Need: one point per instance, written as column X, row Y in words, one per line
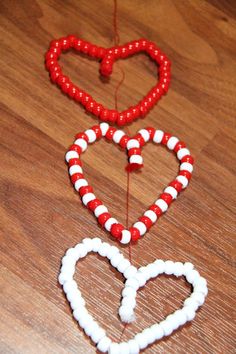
column 80, row 183
column 152, row 270
column 117, row 136
column 96, row 244
column 128, row 291
column 123, row 265
column 69, row 285
column 85, row 320
column 126, row 237
column 69, row 268
column 167, row 327
column 182, row 152
column 186, row 166
column 158, row 331
column 82, row 143
column 79, row 313
column 81, row 250
column 192, row 303
column 91, row 328
column 71, row 253
column 98, row 335
column 187, row 267
column 149, row 335
column 161, row 204
column 201, row 289
column 172, row 191
column 104, row 128
column 71, row 155
column 88, row 242
column 136, row 159
column 169, row 267
column 112, row 251
column 192, row 276
column 145, row 134
column 104, row 249
column 181, row 317
column 100, row 210
column 124, row 348
column 128, row 302
column 75, row 169
column 190, row 313
column 141, row 279
column 108, row 224
column 201, row 281
column 132, row 143
column 87, row 198
column 161, row 265
column 104, row 344
column 126, row 314
column 130, row 272
column 179, row 268
column 66, row 260
column 73, row 294
column 183, row 180
column 141, row 227
column 91, row 135
column 77, row 303
column 133, row 346
column 116, row 259
column 172, row 142
column 114, row 348
column 133, row 283
column 151, row 215
column 198, row 297
column 158, row 136
column 141, row 340
column 63, row 277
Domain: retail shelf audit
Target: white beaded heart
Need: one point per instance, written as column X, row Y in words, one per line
column 135, row 279
column 133, row 146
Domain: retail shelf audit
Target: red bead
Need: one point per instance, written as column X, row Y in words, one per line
column 151, row 132
column 105, row 115
column 97, row 131
column 49, row 63
column 116, row 230
column 62, row 79
column 74, row 162
column 134, row 151
column 135, row 234
column 179, row 145
column 76, row 148
column 85, row 99
column 72, row 91
column 71, row 39
column 84, row 190
column 50, row 56
column 113, row 114
column 123, row 141
column 186, row 174
column 188, row 158
column 75, row 177
column 140, row 139
column 82, row 136
column 56, row 50
column 129, row 116
column 86, row 47
column 166, row 197
column 79, row 95
column 65, row 87
column 177, row 185
column 103, row 218
column 121, row 119
column 143, row 110
column 93, row 204
column 165, row 138
column 156, row 210
column 65, row 44
column 55, row 43
column 98, row 108
column 147, row 221
column 55, row 75
column 77, row 44
column 93, row 51
column 90, row 106
column 110, row 133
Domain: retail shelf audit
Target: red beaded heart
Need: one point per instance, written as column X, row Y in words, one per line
column 108, row 56
column 133, row 146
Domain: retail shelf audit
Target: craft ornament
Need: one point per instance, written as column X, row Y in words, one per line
column 108, row 56
column 134, row 280
column 133, row 146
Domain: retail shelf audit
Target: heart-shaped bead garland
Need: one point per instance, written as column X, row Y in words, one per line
column 133, row 146
column 108, row 56
column 135, row 279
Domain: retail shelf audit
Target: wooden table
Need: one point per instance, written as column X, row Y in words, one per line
column 41, row 215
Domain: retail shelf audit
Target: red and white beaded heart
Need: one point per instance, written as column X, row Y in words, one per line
column 108, row 56
column 133, row 146
column 135, row 279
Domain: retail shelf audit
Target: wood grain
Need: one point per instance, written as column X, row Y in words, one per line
column 41, row 216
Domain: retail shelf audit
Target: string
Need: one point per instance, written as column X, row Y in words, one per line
column 116, row 42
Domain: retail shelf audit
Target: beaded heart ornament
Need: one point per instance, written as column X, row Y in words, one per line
column 134, row 280
column 133, row 146
column 108, row 56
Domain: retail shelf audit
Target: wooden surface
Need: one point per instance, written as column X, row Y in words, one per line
column 41, row 215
